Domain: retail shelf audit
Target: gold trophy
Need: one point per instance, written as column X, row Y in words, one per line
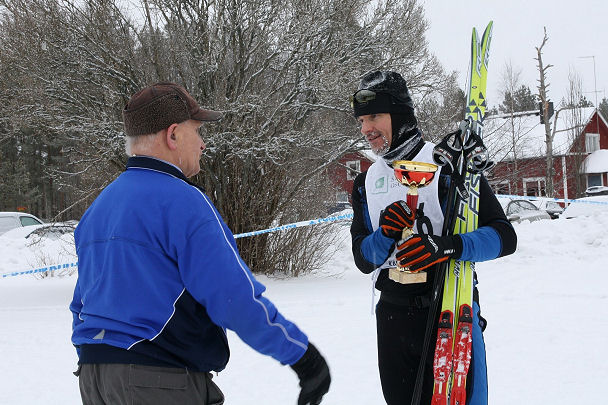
column 413, row 175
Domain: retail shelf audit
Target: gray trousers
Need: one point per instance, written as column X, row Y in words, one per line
column 132, row 384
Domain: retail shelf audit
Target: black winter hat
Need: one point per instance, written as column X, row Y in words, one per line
column 389, row 94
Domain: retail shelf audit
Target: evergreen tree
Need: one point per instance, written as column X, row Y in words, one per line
column 603, row 107
column 582, row 102
column 521, row 99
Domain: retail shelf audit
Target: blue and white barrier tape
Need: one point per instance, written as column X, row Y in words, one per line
column 295, row 225
column 299, row 225
column 40, row 270
column 240, row 235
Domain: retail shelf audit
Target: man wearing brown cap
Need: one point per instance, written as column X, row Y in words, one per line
column 160, row 278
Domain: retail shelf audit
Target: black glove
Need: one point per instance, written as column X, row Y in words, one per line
column 394, row 218
column 314, row 376
column 422, row 251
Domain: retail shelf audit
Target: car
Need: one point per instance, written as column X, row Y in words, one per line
column 51, row 231
column 553, row 208
column 586, row 206
column 338, row 207
column 596, row 190
column 11, row 220
column 523, row 210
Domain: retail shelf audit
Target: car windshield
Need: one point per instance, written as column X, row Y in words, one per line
column 26, row 221
column 7, row 223
column 519, row 206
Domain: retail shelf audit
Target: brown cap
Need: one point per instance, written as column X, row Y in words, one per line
column 156, row 107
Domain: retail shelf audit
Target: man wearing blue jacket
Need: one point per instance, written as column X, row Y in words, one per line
column 385, row 111
column 160, row 278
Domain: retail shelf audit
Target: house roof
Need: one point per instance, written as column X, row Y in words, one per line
column 369, row 155
column 597, row 162
column 523, row 136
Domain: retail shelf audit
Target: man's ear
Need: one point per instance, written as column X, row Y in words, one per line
column 171, row 137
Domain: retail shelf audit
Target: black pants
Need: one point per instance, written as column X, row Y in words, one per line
column 132, row 384
column 400, row 338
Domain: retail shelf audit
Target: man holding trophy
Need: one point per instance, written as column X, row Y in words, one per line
column 399, row 205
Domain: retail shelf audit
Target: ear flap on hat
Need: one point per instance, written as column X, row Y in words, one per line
column 402, row 123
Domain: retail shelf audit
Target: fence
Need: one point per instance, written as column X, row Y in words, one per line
column 298, row 225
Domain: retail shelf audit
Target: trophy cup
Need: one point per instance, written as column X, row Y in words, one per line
column 413, row 175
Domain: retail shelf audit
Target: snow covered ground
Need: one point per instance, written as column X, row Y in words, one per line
column 545, row 305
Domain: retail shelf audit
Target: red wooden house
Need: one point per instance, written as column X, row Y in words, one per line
column 343, row 172
column 517, row 145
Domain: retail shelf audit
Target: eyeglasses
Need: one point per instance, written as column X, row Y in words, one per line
column 362, row 97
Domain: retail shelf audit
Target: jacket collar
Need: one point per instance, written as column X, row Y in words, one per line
column 151, row 163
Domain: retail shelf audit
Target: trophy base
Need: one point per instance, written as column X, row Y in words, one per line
column 406, row 277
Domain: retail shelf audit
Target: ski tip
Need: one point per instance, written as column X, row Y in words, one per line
column 488, row 30
column 475, row 37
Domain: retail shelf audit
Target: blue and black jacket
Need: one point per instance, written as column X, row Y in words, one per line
column 160, row 279
column 495, row 236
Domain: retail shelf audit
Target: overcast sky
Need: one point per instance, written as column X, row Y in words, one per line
column 575, row 28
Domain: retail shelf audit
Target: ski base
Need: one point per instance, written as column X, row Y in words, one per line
column 442, row 363
column 462, row 354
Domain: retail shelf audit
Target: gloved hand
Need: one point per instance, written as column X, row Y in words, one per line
column 314, row 376
column 394, row 218
column 422, row 251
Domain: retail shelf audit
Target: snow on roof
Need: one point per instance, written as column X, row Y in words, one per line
column 523, row 136
column 597, row 162
column 369, row 154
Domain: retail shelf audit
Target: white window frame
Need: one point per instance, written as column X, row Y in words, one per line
column 592, row 142
column 353, row 168
column 540, row 183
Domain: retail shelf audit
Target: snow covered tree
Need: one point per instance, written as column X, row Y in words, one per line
column 281, row 71
column 67, row 88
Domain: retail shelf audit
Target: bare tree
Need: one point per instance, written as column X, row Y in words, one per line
column 440, row 112
column 542, row 95
column 574, row 123
column 511, row 81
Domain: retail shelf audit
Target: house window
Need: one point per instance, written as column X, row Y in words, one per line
column 594, row 180
column 353, row 168
column 503, row 187
column 534, row 186
column 342, row 197
column 592, row 142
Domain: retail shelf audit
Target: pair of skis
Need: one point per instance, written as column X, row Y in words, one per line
column 465, row 153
